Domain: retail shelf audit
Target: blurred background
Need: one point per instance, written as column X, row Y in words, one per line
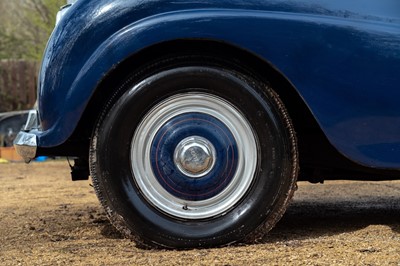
column 25, row 26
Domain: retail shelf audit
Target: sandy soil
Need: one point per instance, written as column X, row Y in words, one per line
column 46, row 219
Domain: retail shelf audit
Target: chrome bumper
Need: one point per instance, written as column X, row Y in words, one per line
column 26, row 143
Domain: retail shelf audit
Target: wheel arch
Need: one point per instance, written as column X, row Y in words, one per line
column 240, row 58
column 249, row 62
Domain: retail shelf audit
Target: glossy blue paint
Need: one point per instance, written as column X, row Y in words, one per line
column 179, row 184
column 343, row 58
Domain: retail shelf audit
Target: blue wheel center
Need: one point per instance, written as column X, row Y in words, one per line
column 209, row 156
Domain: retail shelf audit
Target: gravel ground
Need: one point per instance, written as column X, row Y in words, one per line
column 46, row 219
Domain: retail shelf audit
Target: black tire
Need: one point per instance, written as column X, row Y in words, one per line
column 164, row 202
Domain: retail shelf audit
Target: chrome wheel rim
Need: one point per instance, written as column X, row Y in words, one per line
column 194, row 156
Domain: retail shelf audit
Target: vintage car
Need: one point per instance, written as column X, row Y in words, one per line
column 195, row 119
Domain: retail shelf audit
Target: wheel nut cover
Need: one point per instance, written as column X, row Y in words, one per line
column 193, row 134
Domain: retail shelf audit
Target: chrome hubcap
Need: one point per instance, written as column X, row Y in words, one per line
column 195, row 156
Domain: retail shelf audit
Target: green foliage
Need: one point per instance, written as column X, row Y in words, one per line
column 25, row 26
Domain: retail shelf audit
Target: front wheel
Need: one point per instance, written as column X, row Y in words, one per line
column 195, row 156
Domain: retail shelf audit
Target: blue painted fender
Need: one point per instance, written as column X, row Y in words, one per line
column 342, row 58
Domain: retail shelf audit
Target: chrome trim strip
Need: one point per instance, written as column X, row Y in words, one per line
column 32, row 121
column 62, row 12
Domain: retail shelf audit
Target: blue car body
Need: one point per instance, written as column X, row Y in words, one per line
column 339, row 60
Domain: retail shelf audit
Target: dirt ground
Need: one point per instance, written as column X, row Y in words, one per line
column 46, row 219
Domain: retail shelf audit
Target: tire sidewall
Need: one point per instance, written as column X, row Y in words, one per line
column 124, row 198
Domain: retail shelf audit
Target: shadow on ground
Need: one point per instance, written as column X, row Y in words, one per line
column 309, row 219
